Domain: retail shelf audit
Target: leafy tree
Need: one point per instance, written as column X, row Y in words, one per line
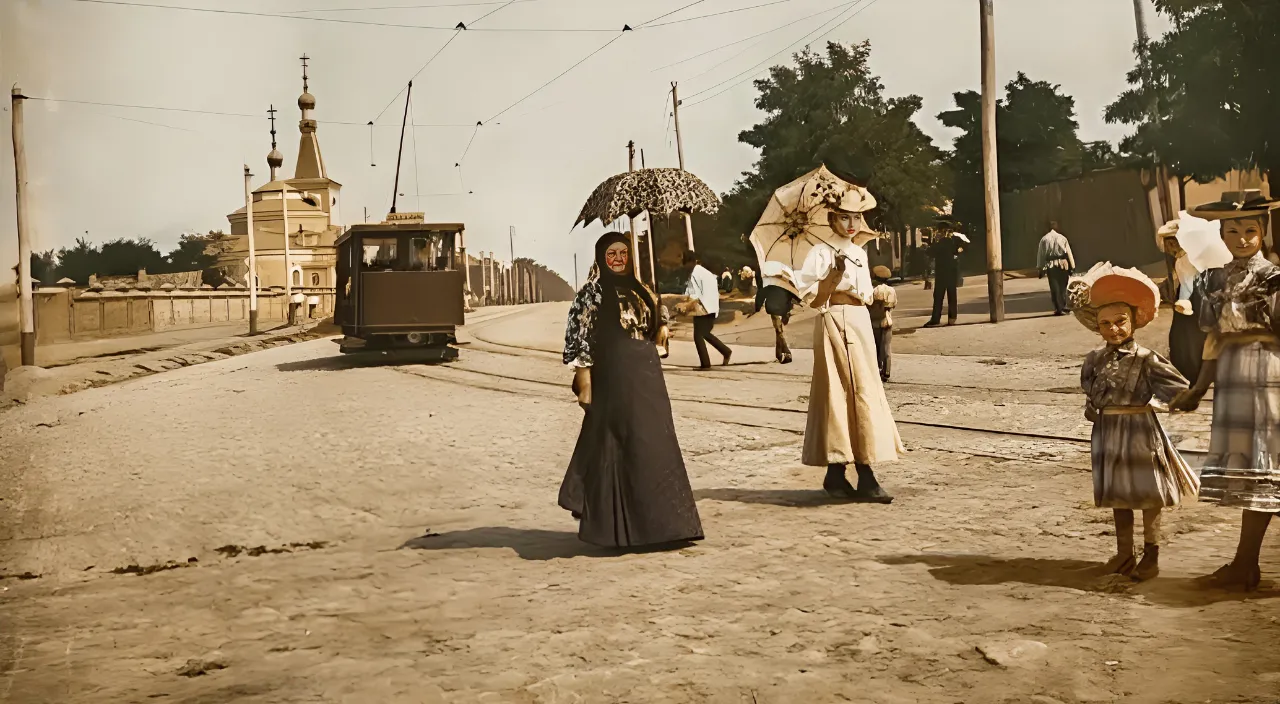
column 195, row 252
column 825, row 109
column 44, row 267
column 1037, row 143
column 122, row 257
column 79, row 262
column 1213, row 82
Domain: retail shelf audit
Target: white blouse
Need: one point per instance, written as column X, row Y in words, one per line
column 820, row 261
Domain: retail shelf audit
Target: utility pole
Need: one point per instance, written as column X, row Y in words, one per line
column 253, row 260
column 635, row 243
column 1161, row 175
column 575, row 271
column 288, row 260
column 675, row 113
column 27, row 309
column 511, row 242
column 995, row 265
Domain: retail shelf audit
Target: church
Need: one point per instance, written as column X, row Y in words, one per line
column 312, row 201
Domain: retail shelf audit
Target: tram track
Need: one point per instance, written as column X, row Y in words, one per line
column 486, row 346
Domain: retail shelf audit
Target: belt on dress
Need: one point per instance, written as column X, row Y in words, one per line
column 844, row 299
column 1126, row 410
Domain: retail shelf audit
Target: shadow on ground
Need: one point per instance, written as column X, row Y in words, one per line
column 985, row 570
column 343, row 362
column 529, row 543
column 799, row 498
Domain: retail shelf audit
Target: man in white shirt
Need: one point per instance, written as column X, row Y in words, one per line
column 702, row 289
column 1055, row 260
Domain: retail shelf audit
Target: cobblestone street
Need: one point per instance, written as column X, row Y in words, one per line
column 310, row 530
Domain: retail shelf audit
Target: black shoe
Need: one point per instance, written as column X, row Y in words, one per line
column 576, row 516
column 836, row 484
column 933, row 324
column 869, row 489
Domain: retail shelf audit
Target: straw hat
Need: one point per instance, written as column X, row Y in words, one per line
column 1235, row 205
column 1104, row 285
column 882, row 272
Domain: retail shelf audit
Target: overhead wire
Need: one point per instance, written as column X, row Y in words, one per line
column 755, row 36
column 220, row 113
column 404, row 7
column 831, row 26
column 668, row 14
column 335, row 20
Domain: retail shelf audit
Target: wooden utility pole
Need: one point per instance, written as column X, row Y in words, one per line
column 27, row 309
column 1165, row 198
column 288, row 259
column 995, row 264
column 511, row 242
column 635, row 242
column 675, row 114
column 253, row 258
column 575, row 271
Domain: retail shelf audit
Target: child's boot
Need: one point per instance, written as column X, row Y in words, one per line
column 1149, row 567
column 1124, row 561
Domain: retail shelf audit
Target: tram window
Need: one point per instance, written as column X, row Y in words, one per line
column 419, row 254
column 379, row 253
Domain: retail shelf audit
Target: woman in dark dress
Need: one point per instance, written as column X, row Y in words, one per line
column 626, row 483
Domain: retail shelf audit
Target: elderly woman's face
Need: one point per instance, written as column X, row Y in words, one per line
column 617, row 257
column 1242, row 237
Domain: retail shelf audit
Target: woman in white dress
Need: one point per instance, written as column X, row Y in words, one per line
column 849, row 421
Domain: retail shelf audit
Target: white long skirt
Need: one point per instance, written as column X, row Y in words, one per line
column 849, row 416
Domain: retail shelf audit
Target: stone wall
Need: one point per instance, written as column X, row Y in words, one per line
column 66, row 314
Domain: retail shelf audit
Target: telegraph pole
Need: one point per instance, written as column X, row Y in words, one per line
column 27, row 309
column 288, row 260
column 511, row 242
column 635, row 243
column 575, row 271
column 1167, row 212
column 675, row 113
column 995, row 265
column 253, row 261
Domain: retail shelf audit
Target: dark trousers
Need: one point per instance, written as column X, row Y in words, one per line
column 884, row 351
column 702, row 335
column 944, row 285
column 1058, row 279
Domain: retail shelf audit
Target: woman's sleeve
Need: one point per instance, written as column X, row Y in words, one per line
column 1209, row 306
column 817, row 264
column 1087, row 373
column 1165, row 379
column 580, row 326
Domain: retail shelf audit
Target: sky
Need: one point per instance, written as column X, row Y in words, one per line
column 546, row 140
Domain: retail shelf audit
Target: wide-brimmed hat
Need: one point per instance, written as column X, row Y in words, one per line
column 1105, row 285
column 1235, row 205
column 882, row 272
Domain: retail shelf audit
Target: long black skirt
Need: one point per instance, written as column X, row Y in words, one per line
column 627, row 477
column 1186, row 345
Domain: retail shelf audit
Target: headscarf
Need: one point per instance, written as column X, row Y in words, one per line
column 611, row 283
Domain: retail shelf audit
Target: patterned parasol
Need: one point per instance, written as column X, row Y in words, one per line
column 795, row 220
column 659, row 191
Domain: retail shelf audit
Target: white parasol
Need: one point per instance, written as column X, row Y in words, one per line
column 1202, row 241
column 795, row 221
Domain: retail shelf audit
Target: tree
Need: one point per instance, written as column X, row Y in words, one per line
column 1213, row 82
column 195, row 252
column 79, row 262
column 123, row 257
column 44, row 267
column 827, row 109
column 1037, row 143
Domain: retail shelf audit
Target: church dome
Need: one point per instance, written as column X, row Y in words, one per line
column 307, row 101
column 275, row 159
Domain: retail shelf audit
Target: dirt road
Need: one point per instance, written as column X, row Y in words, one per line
column 412, row 550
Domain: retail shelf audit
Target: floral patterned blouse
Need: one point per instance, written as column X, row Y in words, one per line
column 1241, row 297
column 580, row 331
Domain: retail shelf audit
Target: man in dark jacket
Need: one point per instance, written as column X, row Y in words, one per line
column 945, row 252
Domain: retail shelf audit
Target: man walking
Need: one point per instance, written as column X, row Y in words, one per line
column 945, row 252
column 1055, row 260
column 704, row 307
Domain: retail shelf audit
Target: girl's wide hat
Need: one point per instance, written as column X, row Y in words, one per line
column 1105, row 285
column 1236, row 204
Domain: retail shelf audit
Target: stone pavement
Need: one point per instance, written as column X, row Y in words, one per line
column 290, row 527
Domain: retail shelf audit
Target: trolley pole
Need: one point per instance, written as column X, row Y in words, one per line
column 27, row 310
column 995, row 265
column 675, row 113
column 253, row 259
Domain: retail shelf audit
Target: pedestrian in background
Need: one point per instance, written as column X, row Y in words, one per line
column 945, row 252
column 726, row 281
column 704, row 308
column 746, row 279
column 1054, row 259
column 883, row 300
column 626, row 482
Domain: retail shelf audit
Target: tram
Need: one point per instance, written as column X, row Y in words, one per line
column 401, row 290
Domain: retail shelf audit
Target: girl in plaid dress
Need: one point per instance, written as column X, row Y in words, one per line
column 1241, row 313
column 1135, row 465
